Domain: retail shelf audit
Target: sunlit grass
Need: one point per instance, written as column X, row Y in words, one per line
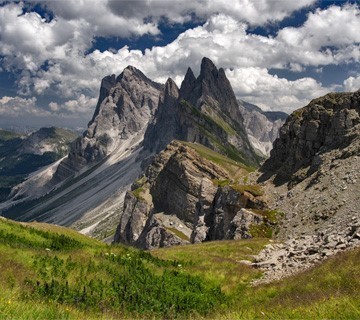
column 328, row 291
column 218, row 261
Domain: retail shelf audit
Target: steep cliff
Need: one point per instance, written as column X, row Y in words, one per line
column 327, row 123
column 313, row 176
column 125, row 106
column 190, row 194
column 204, row 110
column 87, row 188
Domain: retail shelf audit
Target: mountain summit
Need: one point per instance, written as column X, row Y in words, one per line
column 125, row 106
column 205, row 111
column 135, row 119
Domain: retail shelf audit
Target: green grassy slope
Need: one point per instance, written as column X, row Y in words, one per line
column 327, row 291
column 49, row 272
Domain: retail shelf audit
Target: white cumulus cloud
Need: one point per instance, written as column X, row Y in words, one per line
column 257, row 86
column 20, row 107
column 352, row 83
column 82, row 105
column 52, row 56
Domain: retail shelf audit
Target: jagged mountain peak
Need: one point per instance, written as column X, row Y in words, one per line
column 205, row 110
column 207, row 66
column 171, row 87
column 188, row 83
column 130, row 72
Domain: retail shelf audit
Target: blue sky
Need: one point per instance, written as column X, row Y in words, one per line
column 277, row 54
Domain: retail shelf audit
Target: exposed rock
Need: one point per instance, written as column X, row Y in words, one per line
column 327, row 123
column 179, row 186
column 261, row 127
column 321, row 211
column 125, row 106
column 204, row 111
column 87, row 189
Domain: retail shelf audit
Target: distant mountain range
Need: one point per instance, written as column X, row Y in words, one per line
column 21, row 155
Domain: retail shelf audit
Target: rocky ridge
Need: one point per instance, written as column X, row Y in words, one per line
column 321, row 205
column 327, row 123
column 86, row 190
column 125, row 106
column 186, row 196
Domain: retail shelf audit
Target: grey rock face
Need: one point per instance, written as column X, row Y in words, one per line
column 321, row 211
column 177, row 202
column 205, row 111
column 325, row 124
column 261, row 127
column 125, row 106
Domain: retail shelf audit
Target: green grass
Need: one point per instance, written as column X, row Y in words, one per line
column 49, row 272
column 138, row 193
column 327, row 291
column 54, row 272
column 217, row 261
column 216, row 129
column 234, row 168
column 178, row 233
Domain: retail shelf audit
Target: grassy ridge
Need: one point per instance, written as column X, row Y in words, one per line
column 49, row 272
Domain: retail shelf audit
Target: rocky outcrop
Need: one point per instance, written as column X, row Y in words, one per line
column 125, row 106
column 262, row 127
column 204, row 110
column 319, row 147
column 327, row 123
column 179, row 200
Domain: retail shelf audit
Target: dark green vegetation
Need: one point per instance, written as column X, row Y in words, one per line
column 21, row 155
column 59, row 268
column 49, row 272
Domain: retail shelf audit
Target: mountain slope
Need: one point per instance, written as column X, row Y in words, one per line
column 191, row 194
column 87, row 187
column 327, row 123
column 51, row 273
column 125, row 106
column 22, row 155
column 313, row 177
column 86, row 190
column 262, row 127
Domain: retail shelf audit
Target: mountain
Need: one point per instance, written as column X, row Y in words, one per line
column 204, row 110
column 86, row 189
column 261, row 126
column 22, row 155
column 134, row 119
column 191, row 194
column 313, row 177
column 327, row 123
column 124, row 108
